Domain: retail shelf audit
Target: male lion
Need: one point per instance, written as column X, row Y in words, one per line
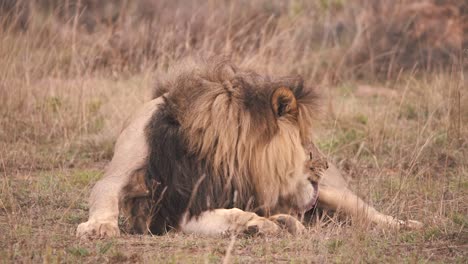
column 220, row 150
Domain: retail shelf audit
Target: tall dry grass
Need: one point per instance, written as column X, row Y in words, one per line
column 58, row 70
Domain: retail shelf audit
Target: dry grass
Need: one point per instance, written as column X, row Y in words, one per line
column 66, row 89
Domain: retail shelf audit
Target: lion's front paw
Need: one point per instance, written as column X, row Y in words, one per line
column 94, row 229
column 261, row 226
column 316, row 168
column 288, row 222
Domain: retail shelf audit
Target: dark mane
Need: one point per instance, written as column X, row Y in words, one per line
column 202, row 140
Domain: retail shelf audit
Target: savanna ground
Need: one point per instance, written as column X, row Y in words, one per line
column 393, row 120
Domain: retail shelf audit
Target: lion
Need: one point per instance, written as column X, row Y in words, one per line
column 221, row 150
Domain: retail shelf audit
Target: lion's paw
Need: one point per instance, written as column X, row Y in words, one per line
column 94, row 229
column 261, row 226
column 288, row 222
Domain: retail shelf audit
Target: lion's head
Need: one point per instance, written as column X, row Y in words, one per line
column 227, row 137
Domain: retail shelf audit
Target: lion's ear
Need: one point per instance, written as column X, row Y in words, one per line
column 284, row 102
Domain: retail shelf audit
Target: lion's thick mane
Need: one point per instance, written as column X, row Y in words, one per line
column 216, row 141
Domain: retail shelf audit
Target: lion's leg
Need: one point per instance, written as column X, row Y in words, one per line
column 222, row 221
column 342, row 199
column 347, row 202
column 129, row 156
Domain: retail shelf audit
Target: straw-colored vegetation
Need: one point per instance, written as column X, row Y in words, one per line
column 395, row 109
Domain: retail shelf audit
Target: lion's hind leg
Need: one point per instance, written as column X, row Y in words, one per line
column 342, row 199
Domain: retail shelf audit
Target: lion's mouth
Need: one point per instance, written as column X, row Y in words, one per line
column 311, row 204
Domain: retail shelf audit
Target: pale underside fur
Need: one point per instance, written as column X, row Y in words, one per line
column 130, row 155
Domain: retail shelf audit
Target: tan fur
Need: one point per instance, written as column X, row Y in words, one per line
column 277, row 166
